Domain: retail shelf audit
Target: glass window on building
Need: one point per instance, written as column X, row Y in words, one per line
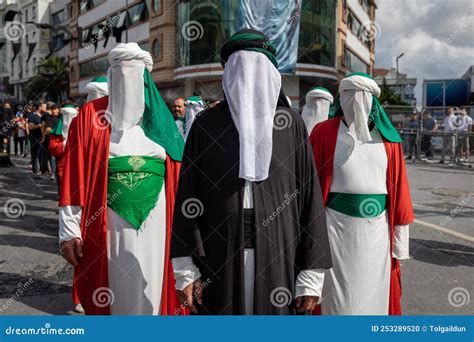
column 59, row 17
column 365, row 5
column 202, row 29
column 317, row 32
column 138, row 13
column 85, row 5
column 354, row 63
column 95, row 67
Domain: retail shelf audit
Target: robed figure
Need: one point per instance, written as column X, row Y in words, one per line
column 249, row 233
column 117, row 195
column 361, row 170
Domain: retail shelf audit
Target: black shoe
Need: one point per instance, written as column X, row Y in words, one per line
column 441, row 162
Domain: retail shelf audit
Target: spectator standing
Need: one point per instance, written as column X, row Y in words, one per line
column 411, row 126
column 429, row 125
column 34, row 135
column 449, row 142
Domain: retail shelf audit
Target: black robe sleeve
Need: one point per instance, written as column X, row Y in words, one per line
column 186, row 238
column 313, row 249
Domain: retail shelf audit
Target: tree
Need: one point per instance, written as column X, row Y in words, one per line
column 51, row 80
column 387, row 96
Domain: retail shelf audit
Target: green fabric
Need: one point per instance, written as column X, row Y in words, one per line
column 196, row 99
column 99, row 79
column 158, row 123
column 134, row 184
column 58, row 129
column 69, row 106
column 377, row 116
column 320, row 88
column 249, row 40
column 357, row 205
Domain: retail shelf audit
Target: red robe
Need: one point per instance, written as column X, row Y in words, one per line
column 399, row 206
column 57, row 150
column 84, row 184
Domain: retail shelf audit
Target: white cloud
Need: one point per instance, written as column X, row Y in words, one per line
column 436, row 37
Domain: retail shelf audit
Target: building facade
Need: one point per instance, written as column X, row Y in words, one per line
column 399, row 84
column 27, row 40
column 441, row 94
column 335, row 37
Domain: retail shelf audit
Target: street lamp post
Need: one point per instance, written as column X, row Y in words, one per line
column 398, row 85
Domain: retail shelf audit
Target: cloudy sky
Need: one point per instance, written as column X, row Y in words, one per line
column 437, row 37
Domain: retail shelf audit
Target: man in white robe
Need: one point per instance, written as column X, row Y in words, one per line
column 360, row 163
column 136, row 223
column 316, row 108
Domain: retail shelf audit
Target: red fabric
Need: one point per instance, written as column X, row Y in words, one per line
column 399, row 206
column 169, row 300
column 57, row 150
column 85, row 184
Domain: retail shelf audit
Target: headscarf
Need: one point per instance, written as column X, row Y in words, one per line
column 316, row 108
column 135, row 100
column 194, row 105
column 252, row 84
column 97, row 88
column 249, row 40
column 359, row 105
column 68, row 112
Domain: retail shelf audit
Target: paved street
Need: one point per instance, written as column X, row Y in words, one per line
column 35, row 280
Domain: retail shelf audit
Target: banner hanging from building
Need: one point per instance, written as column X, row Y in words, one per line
column 280, row 21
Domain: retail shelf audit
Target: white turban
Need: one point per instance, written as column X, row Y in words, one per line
column 96, row 90
column 316, row 108
column 68, row 113
column 194, row 105
column 126, row 84
column 356, row 93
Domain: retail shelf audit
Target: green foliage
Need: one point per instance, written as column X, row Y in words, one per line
column 51, row 81
column 387, row 96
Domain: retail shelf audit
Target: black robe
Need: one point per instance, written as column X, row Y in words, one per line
column 290, row 220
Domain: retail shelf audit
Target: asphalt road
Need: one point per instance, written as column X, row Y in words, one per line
column 437, row 280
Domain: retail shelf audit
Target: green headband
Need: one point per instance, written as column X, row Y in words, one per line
column 249, row 41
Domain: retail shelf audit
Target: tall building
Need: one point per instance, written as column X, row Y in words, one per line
column 335, row 37
column 27, row 40
column 400, row 84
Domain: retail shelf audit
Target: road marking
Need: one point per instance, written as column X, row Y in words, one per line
column 445, row 230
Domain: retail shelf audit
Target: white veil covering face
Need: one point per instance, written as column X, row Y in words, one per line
column 193, row 107
column 125, row 76
column 356, row 102
column 316, row 108
column 96, row 90
column 252, row 85
column 68, row 113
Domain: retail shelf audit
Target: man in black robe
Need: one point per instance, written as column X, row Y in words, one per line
column 249, row 233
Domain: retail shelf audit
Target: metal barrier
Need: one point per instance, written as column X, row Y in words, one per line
column 426, row 144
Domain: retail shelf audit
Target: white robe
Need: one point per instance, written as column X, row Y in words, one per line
column 359, row 281
column 135, row 258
